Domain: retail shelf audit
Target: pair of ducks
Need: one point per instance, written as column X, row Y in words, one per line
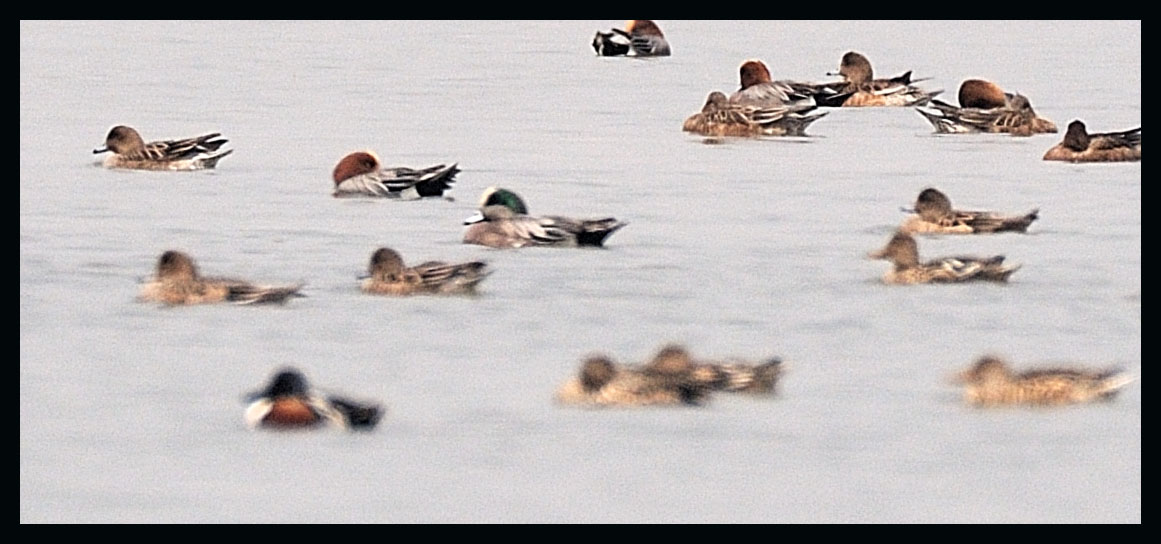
column 673, row 378
column 985, row 107
column 934, row 214
column 177, row 281
column 641, row 37
column 764, row 107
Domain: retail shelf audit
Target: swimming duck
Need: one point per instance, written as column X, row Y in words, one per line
column 1080, row 146
column 503, row 222
column 387, row 275
column 865, row 90
column 903, row 252
column 720, row 118
column 990, row 382
column 289, row 403
column 757, row 89
column 602, row 382
column 934, row 214
column 645, row 38
column 177, row 282
column 985, row 107
column 733, row 375
column 131, row 152
column 362, row 174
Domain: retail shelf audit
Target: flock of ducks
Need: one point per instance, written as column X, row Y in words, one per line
column 760, row 107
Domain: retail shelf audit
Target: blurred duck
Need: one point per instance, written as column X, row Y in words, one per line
column 387, row 275
column 985, row 107
column 903, row 253
column 602, row 382
column 177, row 282
column 727, row 376
column 865, row 90
column 130, row 151
column 287, row 402
column 990, row 382
column 1080, row 146
column 757, row 89
column 718, row 117
column 362, row 174
column 934, row 214
column 503, row 222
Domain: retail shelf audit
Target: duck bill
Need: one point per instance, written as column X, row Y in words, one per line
column 877, row 254
column 100, row 150
column 474, row 219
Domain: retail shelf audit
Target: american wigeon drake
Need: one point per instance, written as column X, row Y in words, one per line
column 645, row 38
column 985, row 107
column 934, row 214
column 756, row 88
column 1080, row 146
column 732, row 375
column 362, row 174
column 903, row 252
column 387, row 275
column 865, row 90
column 130, row 151
column 991, row 382
column 610, row 44
column 287, row 402
column 603, row 382
column 503, row 222
column 178, row 282
column 718, row 117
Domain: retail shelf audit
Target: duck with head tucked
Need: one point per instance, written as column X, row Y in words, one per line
column 644, row 39
column 287, row 402
column 178, row 282
column 991, row 382
column 985, row 107
column 1080, row 146
column 387, row 275
column 934, row 214
column 864, row 90
column 503, row 222
column 362, row 174
column 718, row 117
column 131, row 152
column 903, row 253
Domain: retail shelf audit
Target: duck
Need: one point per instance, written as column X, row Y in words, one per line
column 903, row 252
column 129, row 151
column 645, row 38
column 990, row 381
column 503, row 222
column 934, row 214
column 361, row 173
column 387, row 275
column 288, row 402
column 731, row 376
column 610, row 44
column 177, row 282
column 603, row 382
column 864, row 90
column 986, row 107
column 756, row 88
column 1080, row 146
column 718, row 117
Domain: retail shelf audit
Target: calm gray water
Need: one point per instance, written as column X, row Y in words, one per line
column 133, row 413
